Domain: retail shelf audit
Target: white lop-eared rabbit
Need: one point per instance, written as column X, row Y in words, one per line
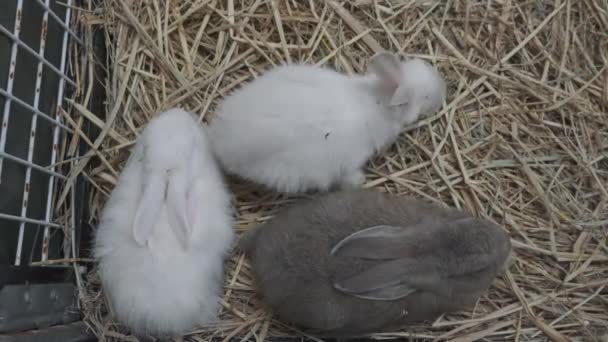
column 165, row 230
column 300, row 128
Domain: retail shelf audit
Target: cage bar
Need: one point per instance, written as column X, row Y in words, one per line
column 53, row 116
column 48, row 171
column 32, row 139
column 49, row 201
column 10, row 81
column 63, row 24
column 33, row 110
column 24, row 46
column 39, row 244
column 29, row 220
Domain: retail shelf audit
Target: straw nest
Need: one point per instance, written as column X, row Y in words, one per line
column 522, row 139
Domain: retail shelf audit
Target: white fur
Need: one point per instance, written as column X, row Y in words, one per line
column 162, row 287
column 299, row 128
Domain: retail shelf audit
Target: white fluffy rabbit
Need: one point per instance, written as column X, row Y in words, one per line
column 300, row 128
column 165, row 230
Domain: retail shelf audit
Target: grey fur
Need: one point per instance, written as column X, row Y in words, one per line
column 317, row 268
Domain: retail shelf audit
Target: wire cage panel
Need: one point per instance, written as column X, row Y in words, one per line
column 33, row 78
column 40, row 206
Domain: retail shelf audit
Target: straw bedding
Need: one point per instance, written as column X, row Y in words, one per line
column 522, row 139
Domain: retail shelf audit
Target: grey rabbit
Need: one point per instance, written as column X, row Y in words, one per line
column 356, row 261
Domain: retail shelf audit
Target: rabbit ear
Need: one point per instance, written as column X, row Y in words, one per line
column 468, row 236
column 149, row 208
column 416, row 258
column 403, row 96
column 388, row 68
column 196, row 192
column 392, row 279
column 388, row 293
column 395, row 279
column 381, row 242
column 177, row 204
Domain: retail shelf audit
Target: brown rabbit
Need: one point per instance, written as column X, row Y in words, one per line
column 358, row 261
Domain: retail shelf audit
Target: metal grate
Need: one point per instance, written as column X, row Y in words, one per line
column 34, row 41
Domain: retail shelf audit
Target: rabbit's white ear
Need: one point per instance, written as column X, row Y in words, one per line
column 388, row 69
column 403, row 96
column 149, row 208
column 177, row 204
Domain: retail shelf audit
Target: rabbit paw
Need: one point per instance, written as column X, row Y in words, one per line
column 353, row 180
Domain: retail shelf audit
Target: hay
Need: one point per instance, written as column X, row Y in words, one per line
column 522, row 140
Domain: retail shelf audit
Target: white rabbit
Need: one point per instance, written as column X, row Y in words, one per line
column 165, row 230
column 300, row 128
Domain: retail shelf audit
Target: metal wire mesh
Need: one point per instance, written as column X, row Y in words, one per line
column 34, row 41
